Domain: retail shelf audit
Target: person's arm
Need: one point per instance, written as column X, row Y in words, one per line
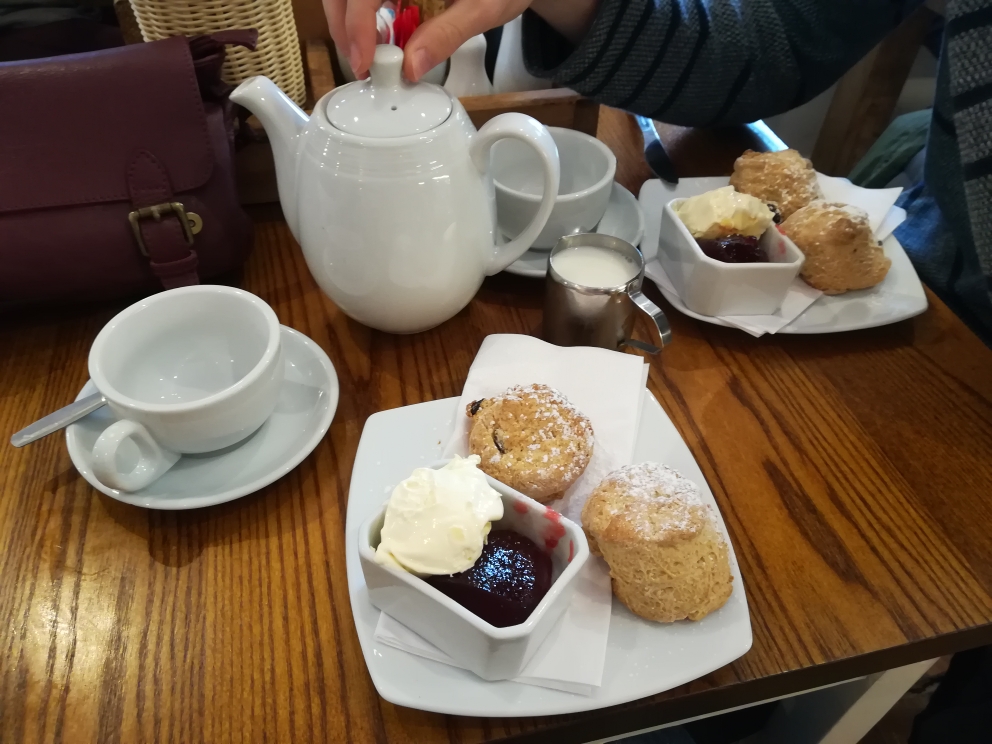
column 708, row 62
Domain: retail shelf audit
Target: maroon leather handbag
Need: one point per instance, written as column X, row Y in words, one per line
column 117, row 172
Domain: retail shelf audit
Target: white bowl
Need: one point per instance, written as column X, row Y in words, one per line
column 587, row 171
column 711, row 287
column 492, row 653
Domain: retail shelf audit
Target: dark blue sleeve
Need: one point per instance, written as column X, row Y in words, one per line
column 708, row 62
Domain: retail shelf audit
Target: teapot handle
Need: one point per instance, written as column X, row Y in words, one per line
column 532, row 132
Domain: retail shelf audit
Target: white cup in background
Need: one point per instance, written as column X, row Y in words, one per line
column 587, row 171
column 190, row 370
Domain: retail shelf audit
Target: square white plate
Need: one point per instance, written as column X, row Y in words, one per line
column 642, row 658
column 899, row 296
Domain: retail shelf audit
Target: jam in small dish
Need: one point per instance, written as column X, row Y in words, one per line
column 733, row 249
column 505, row 584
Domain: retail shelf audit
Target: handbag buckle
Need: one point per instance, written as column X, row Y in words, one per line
column 190, row 221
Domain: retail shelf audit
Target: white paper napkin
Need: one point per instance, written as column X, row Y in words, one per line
column 895, row 217
column 606, row 386
column 570, row 659
column 799, row 297
column 876, row 202
column 883, row 217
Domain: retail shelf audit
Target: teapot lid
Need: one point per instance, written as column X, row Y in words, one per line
column 385, row 105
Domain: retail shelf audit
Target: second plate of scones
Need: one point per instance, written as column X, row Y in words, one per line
column 844, row 233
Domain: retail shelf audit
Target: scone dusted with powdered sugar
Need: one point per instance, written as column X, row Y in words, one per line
column 841, row 251
column 532, row 439
column 784, row 178
column 667, row 557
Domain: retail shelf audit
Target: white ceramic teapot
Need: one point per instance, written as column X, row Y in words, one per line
column 386, row 188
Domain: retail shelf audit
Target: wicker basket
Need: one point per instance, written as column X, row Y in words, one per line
column 278, row 54
column 428, row 8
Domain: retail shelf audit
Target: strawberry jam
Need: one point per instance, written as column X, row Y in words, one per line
column 734, row 249
column 507, row 582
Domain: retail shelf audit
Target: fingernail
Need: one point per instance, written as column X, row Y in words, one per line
column 354, row 57
column 421, row 63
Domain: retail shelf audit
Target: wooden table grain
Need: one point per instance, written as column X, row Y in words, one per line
column 854, row 472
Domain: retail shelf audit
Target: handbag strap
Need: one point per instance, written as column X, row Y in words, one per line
column 160, row 224
column 209, row 52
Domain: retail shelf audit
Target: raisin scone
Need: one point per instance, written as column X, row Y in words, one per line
column 784, row 178
column 840, row 248
column 532, row 439
column 668, row 559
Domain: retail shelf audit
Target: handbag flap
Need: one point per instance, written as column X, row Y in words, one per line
column 70, row 125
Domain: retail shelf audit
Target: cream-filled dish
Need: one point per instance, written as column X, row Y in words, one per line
column 437, row 520
column 727, row 224
column 724, row 212
column 438, row 525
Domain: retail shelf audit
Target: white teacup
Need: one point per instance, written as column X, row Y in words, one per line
column 189, row 370
column 587, row 171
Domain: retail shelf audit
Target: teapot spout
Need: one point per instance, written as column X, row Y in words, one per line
column 284, row 123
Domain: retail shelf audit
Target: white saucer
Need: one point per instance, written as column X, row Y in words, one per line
column 642, row 658
column 303, row 413
column 899, row 296
column 623, row 219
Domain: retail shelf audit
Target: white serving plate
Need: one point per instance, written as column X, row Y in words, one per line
column 642, row 658
column 899, row 296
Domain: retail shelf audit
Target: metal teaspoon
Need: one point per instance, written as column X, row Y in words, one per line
column 58, row 420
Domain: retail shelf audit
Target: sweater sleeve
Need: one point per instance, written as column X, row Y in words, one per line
column 710, row 62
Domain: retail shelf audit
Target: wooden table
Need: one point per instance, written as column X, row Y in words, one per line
column 854, row 472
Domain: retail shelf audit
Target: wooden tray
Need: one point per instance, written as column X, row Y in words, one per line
column 557, row 107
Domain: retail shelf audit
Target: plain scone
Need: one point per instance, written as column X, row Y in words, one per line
column 840, row 248
column 532, row 439
column 667, row 558
column 784, row 178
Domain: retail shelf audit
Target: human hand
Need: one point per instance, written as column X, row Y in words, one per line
column 353, row 28
column 439, row 37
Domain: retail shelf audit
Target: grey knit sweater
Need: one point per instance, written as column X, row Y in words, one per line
column 708, row 62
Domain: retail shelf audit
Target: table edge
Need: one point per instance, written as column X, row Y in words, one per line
column 632, row 717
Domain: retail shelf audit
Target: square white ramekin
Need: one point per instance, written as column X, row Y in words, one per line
column 711, row 287
column 492, row 653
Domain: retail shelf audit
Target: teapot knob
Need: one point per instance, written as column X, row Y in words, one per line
column 387, row 64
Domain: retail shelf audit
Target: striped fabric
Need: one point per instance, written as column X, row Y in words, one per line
column 708, row 62
column 968, row 49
